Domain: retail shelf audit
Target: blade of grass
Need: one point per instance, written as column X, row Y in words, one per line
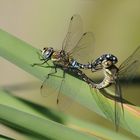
column 2, row 137
column 24, row 106
column 25, row 137
column 7, row 99
column 23, row 55
column 84, row 126
column 39, row 126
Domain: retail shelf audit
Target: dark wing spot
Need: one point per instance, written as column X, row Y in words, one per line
column 72, row 18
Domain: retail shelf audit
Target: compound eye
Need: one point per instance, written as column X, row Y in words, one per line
column 47, row 52
column 44, row 50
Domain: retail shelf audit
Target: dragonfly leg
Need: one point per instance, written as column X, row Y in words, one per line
column 51, row 74
column 63, row 77
column 39, row 55
column 48, row 75
column 39, row 64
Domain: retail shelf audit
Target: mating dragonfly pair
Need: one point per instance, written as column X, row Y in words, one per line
column 74, row 56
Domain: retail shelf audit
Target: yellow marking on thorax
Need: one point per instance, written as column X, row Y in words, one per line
column 56, row 56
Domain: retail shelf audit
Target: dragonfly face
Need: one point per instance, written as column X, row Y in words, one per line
column 47, row 53
column 104, row 61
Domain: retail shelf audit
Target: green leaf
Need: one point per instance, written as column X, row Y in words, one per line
column 18, row 104
column 37, row 125
column 2, row 137
column 43, row 127
column 23, row 55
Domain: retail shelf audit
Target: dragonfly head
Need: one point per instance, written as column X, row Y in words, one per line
column 104, row 61
column 47, row 52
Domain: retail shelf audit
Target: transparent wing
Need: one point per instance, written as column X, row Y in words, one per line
column 114, row 114
column 130, row 67
column 57, row 84
column 118, row 102
column 64, row 100
column 67, row 89
column 103, row 103
column 74, row 33
column 117, row 115
column 112, row 97
column 84, row 49
column 47, row 88
column 118, row 105
column 118, row 92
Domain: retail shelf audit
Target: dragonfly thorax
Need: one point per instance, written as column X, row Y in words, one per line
column 56, row 56
column 60, row 58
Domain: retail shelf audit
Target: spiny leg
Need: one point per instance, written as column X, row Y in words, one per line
column 40, row 64
column 48, row 75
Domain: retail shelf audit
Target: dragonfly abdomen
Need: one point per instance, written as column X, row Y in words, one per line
column 78, row 65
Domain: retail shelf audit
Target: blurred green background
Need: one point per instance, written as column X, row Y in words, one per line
column 43, row 23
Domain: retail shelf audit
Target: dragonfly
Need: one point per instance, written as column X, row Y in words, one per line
column 75, row 48
column 112, row 75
